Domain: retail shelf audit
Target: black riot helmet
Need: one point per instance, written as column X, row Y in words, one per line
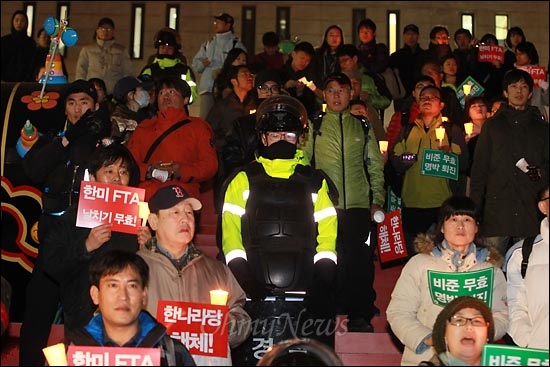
column 281, row 113
column 168, row 38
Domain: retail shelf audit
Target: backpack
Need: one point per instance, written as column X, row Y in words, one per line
column 390, row 78
column 526, row 249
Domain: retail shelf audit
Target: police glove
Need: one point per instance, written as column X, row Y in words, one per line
column 246, row 279
column 324, row 272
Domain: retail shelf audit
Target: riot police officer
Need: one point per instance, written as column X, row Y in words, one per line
column 279, row 224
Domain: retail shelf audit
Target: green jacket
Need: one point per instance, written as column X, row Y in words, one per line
column 235, row 205
column 341, row 152
column 426, row 191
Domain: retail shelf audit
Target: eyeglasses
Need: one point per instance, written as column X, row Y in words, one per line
column 266, row 88
column 105, row 29
column 429, row 98
column 291, row 137
column 460, row 321
column 546, row 198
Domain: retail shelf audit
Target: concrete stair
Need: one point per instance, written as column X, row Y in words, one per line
column 380, row 348
column 205, row 236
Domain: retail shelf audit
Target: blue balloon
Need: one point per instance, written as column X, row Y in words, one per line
column 69, row 37
column 51, row 26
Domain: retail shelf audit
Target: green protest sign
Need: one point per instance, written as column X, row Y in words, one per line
column 439, row 164
column 393, row 201
column 446, row 286
column 475, row 90
column 507, row 355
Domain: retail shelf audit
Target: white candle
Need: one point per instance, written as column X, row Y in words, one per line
column 218, row 297
column 383, row 146
column 440, row 134
column 143, row 212
column 467, row 89
column 56, row 355
column 469, row 128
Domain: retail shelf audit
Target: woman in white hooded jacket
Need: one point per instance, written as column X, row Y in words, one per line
column 453, row 248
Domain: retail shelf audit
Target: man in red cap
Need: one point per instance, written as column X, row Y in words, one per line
column 185, row 273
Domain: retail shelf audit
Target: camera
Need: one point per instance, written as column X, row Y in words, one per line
column 408, row 157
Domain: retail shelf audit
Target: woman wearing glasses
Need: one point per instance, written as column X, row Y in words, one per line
column 452, row 261
column 460, row 331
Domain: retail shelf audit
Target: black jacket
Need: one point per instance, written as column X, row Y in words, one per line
column 506, row 196
column 66, row 260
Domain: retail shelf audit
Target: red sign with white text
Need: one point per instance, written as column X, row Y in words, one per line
column 538, row 73
column 102, row 203
column 490, row 53
column 201, row 327
column 79, row 355
column 391, row 240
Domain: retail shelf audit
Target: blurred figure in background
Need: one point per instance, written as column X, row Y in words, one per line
column 18, row 51
column 104, row 58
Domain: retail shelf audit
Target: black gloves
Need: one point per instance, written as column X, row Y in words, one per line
column 246, row 279
column 324, row 273
column 321, row 297
column 89, row 124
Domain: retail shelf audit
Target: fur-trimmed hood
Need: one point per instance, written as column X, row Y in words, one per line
column 425, row 244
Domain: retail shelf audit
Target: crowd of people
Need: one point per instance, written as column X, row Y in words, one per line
column 290, row 143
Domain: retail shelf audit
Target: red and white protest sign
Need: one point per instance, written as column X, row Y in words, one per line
column 538, row 73
column 79, row 355
column 391, row 240
column 490, row 53
column 102, row 203
column 201, row 327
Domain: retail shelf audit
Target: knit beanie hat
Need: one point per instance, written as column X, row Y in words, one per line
column 450, row 310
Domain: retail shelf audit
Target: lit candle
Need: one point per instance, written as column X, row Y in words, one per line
column 252, row 112
column 324, row 107
column 143, row 212
column 440, row 134
column 218, row 297
column 467, row 89
column 383, row 146
column 56, row 355
column 469, row 128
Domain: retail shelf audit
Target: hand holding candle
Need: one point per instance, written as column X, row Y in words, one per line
column 218, row 297
column 56, row 355
column 469, row 128
column 143, row 212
